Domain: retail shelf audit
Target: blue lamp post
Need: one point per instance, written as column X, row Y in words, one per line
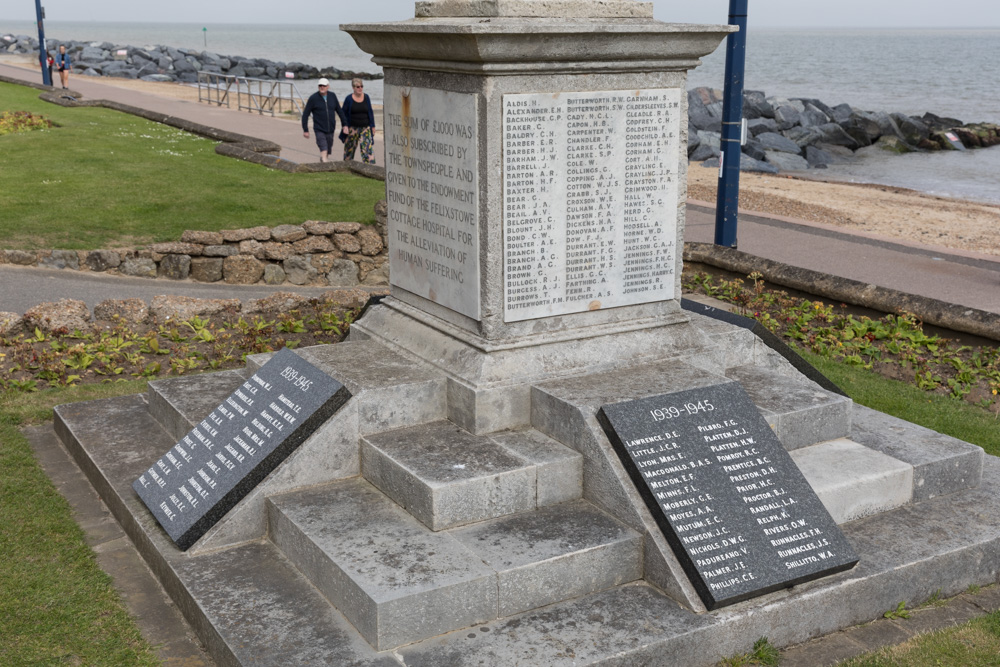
column 727, row 202
column 42, row 50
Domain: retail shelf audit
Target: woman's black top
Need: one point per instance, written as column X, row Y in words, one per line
column 360, row 113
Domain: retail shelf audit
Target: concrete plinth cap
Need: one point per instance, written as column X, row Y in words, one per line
column 629, row 9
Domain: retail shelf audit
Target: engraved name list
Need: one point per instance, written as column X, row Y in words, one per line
column 590, row 200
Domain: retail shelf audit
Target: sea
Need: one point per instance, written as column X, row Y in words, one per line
column 945, row 71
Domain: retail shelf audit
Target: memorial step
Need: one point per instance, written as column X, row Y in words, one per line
column 553, row 554
column 390, row 391
column 396, row 581
column 399, row 582
column 114, row 439
column 180, row 403
column 853, row 481
column 800, row 412
column 447, row 477
column 941, row 464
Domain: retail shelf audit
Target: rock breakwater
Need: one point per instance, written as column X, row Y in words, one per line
column 166, row 63
column 804, row 133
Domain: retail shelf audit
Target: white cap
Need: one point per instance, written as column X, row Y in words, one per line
column 324, row 82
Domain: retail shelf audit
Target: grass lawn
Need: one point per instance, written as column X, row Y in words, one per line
column 56, row 605
column 937, row 412
column 102, row 179
column 973, row 644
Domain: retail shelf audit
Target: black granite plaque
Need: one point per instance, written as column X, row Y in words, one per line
column 739, row 515
column 224, row 457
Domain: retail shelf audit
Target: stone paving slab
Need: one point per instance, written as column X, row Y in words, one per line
column 945, row 614
column 823, row 652
column 987, row 599
column 873, row 636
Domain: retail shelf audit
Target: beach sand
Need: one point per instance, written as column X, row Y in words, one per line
column 890, row 212
column 875, row 209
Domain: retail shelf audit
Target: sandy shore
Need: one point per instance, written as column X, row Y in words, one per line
column 876, row 209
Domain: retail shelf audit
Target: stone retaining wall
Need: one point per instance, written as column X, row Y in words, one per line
column 338, row 254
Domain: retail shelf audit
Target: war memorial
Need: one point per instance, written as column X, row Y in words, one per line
column 530, row 452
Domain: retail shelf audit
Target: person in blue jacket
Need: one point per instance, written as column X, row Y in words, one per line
column 360, row 130
column 63, row 65
column 324, row 108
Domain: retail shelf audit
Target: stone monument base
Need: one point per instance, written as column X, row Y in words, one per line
column 395, row 535
column 489, row 383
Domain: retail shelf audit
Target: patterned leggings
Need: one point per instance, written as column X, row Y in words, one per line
column 364, row 137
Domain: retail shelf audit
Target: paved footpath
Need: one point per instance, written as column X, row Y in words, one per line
column 949, row 275
column 284, row 131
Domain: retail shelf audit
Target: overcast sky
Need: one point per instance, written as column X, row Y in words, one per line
column 763, row 13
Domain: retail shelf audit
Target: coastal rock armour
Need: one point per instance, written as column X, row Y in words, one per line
column 795, row 134
column 165, row 63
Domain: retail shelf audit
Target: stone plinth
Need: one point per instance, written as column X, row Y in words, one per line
column 535, row 180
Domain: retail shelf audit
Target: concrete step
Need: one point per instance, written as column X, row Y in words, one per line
column 801, row 412
column 249, row 605
column 853, row 481
column 399, row 582
column 390, row 391
column 396, row 581
column 941, row 464
column 554, row 554
column 180, row 403
column 447, row 477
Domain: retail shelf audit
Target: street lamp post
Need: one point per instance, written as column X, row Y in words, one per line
column 728, row 199
column 42, row 50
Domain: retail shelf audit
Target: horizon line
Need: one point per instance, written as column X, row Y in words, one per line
column 937, row 26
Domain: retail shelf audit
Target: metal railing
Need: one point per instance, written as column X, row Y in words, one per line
column 262, row 96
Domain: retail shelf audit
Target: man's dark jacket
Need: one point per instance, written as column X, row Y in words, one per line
column 322, row 113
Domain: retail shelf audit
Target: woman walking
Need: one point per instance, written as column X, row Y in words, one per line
column 63, row 65
column 361, row 124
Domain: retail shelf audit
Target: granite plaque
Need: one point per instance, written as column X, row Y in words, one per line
column 431, row 162
column 222, row 459
column 739, row 515
column 590, row 200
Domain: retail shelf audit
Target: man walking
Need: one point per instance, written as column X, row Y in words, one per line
column 324, row 108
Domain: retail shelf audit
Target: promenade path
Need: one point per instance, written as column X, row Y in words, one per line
column 286, row 131
column 953, row 276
